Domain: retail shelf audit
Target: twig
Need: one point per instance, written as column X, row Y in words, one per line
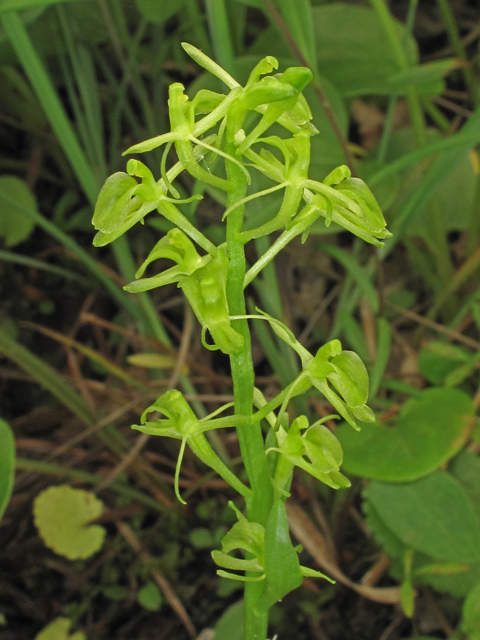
column 451, row 333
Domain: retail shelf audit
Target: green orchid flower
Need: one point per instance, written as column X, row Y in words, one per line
column 123, row 202
column 203, row 281
column 316, row 451
column 185, row 132
column 182, row 424
column 339, row 375
column 275, row 559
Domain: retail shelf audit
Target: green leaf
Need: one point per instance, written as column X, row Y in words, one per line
column 45, row 375
column 383, row 535
column 429, row 430
column 15, row 227
column 17, row 5
column 298, row 16
column 231, row 625
column 471, row 612
column 150, row 597
column 426, row 570
column 62, row 515
column 433, row 515
column 202, row 538
column 159, row 12
column 58, row 630
column 115, row 592
column 356, row 271
column 282, row 568
column 428, row 78
column 384, row 343
column 7, row 464
column 466, row 469
column 353, row 51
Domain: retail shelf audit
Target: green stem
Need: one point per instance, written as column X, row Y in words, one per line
column 250, row 438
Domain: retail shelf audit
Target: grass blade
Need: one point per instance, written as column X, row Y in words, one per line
column 358, row 273
column 46, row 376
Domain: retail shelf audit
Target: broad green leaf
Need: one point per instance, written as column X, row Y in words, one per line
column 7, row 464
column 15, row 227
column 353, row 51
column 429, row 430
column 439, row 575
column 159, row 12
column 282, row 568
column 150, row 597
column 231, row 625
column 382, row 534
column 384, row 343
column 471, row 612
column 466, row 469
column 433, row 515
column 457, row 584
column 62, row 516
column 58, row 630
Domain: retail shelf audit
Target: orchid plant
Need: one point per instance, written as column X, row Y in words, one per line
column 213, row 279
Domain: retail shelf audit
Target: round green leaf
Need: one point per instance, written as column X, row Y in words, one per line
column 429, row 430
column 7, row 464
column 62, row 515
column 58, row 630
column 433, row 515
column 150, row 597
column 15, row 199
column 231, row 625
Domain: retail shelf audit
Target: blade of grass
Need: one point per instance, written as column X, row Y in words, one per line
column 457, row 45
column 354, row 335
column 89, row 478
column 220, row 34
column 55, row 112
column 32, row 263
column 50, row 102
column 432, row 180
column 356, row 271
column 90, row 353
column 86, row 82
column 298, row 16
column 462, row 140
column 46, row 376
column 123, row 300
column 277, row 18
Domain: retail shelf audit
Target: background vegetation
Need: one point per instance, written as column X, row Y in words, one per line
column 396, row 97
